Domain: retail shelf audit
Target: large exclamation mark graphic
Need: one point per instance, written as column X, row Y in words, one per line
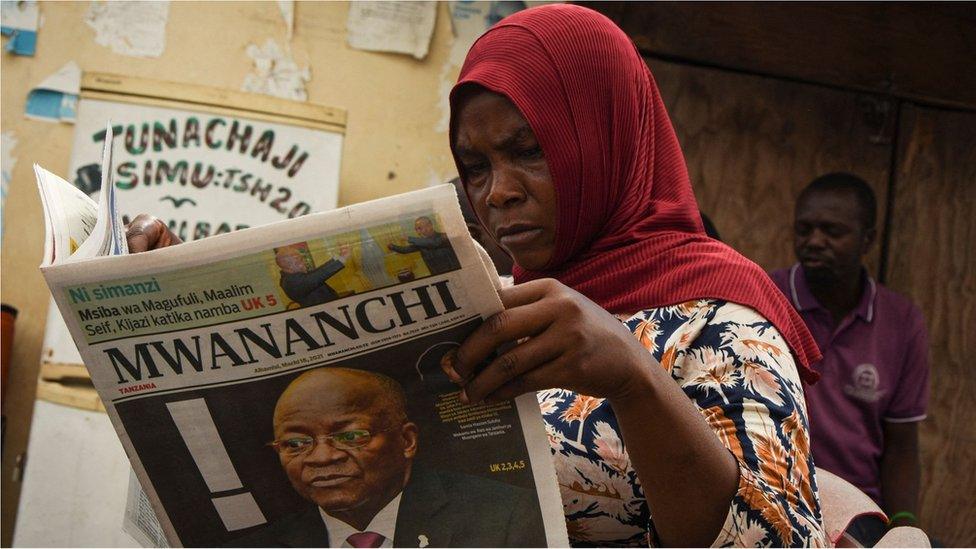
column 193, row 419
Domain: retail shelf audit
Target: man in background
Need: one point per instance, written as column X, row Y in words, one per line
column 864, row 412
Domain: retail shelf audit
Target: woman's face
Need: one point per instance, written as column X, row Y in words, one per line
column 507, row 177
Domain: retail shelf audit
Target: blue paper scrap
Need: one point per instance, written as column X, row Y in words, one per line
column 22, row 42
column 52, row 104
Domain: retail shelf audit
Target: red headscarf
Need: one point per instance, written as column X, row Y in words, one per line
column 628, row 233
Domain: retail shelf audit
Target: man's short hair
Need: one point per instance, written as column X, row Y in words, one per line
column 847, row 182
column 391, row 394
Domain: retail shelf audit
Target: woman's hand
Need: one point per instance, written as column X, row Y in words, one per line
column 572, row 343
column 146, row 232
column 575, row 344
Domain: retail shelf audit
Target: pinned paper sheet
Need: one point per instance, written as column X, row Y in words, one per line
column 18, row 20
column 276, row 73
column 56, row 98
column 468, row 21
column 400, row 27
column 287, row 8
column 137, row 29
column 7, row 163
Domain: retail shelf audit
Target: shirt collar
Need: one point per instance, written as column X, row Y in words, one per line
column 803, row 298
column 383, row 523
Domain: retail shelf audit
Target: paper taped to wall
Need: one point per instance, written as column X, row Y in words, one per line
column 55, row 99
column 399, row 27
column 18, row 20
column 137, row 29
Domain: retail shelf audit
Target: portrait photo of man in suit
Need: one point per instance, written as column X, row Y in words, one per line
column 345, row 442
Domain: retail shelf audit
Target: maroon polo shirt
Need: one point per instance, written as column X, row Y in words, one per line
column 875, row 369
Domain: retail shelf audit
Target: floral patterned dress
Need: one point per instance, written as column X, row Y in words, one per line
column 738, row 370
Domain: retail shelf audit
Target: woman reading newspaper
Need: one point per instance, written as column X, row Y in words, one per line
column 667, row 366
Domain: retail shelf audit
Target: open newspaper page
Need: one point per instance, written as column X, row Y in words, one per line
column 284, row 385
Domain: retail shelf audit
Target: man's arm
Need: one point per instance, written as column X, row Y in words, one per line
column 439, row 240
column 299, row 285
column 900, row 472
column 403, row 249
column 900, row 464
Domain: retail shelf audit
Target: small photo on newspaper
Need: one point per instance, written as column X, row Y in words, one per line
column 289, row 388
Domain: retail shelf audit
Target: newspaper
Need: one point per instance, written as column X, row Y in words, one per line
column 284, row 385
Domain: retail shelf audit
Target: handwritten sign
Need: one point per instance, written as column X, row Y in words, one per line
column 206, row 173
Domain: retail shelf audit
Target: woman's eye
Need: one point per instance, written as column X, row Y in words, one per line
column 476, row 168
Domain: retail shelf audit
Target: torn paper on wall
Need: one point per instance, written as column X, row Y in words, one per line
column 55, row 99
column 7, row 162
column 276, row 73
column 19, row 21
column 468, row 21
column 287, row 8
column 400, row 27
column 137, row 29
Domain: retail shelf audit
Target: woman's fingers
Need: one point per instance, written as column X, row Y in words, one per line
column 512, row 368
column 147, row 232
column 527, row 292
column 507, row 326
column 539, row 379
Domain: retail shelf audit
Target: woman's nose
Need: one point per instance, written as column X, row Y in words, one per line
column 506, row 189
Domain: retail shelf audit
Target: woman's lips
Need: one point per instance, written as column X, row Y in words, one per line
column 518, row 237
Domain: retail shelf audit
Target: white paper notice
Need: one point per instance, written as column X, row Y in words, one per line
column 66, row 80
column 19, row 15
column 400, row 27
column 130, row 28
column 276, row 73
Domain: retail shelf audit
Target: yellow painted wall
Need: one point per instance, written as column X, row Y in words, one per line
column 391, row 143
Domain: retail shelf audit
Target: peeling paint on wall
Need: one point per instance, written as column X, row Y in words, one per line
column 276, row 73
column 7, row 162
column 137, row 29
column 287, row 8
